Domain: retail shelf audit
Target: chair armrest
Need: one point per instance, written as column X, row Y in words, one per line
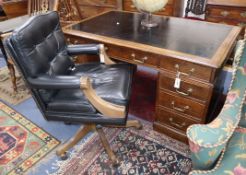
column 79, row 49
column 54, row 82
column 96, row 49
column 106, row 108
column 208, row 141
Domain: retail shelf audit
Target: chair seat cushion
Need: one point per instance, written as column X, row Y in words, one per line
column 234, row 160
column 111, row 82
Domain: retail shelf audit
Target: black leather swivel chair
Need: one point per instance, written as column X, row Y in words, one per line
column 94, row 94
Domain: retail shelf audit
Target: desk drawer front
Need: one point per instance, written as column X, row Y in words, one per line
column 181, row 105
column 187, row 69
column 134, row 56
column 229, row 13
column 173, row 119
column 226, row 21
column 170, row 131
column 187, row 89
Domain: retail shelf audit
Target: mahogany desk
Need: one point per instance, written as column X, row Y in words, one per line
column 195, row 50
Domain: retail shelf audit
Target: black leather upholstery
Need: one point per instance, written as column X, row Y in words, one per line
column 40, row 52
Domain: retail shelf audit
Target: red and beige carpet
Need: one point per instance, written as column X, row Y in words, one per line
column 141, row 152
column 22, row 143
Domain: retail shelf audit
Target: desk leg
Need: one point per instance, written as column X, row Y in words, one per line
column 10, row 66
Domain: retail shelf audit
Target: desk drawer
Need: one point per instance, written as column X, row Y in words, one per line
column 227, row 13
column 174, row 119
column 133, row 56
column 235, row 22
column 170, row 131
column 191, row 89
column 187, row 69
column 181, row 105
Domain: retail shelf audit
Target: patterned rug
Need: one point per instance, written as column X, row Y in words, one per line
column 6, row 91
column 141, row 152
column 22, row 143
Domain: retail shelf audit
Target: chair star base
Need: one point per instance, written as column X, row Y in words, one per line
column 85, row 129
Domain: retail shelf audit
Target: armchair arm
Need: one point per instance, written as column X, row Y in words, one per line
column 90, row 49
column 106, row 108
column 68, row 82
column 104, row 56
column 208, row 141
column 54, row 82
column 83, row 49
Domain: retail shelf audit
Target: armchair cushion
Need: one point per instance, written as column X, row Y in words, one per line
column 111, row 82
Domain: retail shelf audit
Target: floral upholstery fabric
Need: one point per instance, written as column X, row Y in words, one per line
column 233, row 162
column 208, row 141
column 242, row 122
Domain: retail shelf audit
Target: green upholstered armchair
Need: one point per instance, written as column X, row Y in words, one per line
column 219, row 147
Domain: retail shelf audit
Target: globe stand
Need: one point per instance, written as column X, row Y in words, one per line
column 148, row 21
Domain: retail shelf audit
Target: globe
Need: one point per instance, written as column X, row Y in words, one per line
column 148, row 7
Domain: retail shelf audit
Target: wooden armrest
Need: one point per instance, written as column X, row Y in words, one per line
column 106, row 108
column 4, row 35
column 104, row 56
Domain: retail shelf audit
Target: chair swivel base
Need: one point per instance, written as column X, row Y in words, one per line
column 85, row 129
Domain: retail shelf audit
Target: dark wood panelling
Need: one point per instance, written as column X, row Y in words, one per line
column 90, row 8
column 15, row 8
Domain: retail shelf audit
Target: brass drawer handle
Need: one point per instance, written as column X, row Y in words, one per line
column 176, row 124
column 183, row 109
column 224, row 13
column 243, row 14
column 76, row 42
column 141, row 60
column 191, row 71
column 190, row 90
column 75, row 58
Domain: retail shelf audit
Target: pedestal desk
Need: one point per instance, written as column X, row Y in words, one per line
column 193, row 51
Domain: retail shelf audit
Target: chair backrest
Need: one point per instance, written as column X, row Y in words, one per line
column 39, row 47
column 197, row 7
column 41, row 6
